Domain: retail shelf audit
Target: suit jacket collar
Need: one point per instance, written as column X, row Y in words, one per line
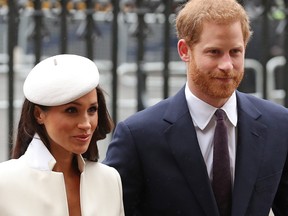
column 181, row 136
column 185, row 148
column 251, row 138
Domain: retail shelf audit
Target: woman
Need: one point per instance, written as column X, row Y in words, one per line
column 54, row 170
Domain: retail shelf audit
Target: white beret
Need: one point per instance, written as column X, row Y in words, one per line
column 60, row 79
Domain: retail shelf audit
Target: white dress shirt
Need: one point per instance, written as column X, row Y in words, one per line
column 204, row 122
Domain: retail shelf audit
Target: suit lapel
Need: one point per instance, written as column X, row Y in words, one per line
column 181, row 136
column 251, row 136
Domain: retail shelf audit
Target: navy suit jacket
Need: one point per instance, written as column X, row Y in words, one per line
column 157, row 154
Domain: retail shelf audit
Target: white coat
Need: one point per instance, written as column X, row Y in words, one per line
column 29, row 187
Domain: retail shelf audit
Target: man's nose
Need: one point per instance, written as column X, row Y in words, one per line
column 226, row 63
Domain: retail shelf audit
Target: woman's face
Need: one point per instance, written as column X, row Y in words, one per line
column 70, row 127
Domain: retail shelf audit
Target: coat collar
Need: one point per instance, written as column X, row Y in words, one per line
column 39, row 157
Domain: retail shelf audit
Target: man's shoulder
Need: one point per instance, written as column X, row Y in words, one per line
column 158, row 109
column 263, row 106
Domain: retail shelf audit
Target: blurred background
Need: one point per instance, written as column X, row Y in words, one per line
column 133, row 42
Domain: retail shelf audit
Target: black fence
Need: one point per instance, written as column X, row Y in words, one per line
column 125, row 28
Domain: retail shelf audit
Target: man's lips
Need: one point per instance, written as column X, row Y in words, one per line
column 224, row 79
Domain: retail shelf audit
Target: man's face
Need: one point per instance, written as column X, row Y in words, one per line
column 216, row 63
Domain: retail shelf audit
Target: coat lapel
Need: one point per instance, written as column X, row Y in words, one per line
column 251, row 136
column 183, row 142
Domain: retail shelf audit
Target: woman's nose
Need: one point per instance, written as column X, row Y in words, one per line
column 84, row 123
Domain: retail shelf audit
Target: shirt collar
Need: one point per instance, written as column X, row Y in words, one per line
column 39, row 157
column 201, row 112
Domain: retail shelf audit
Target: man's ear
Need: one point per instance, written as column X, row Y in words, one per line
column 183, row 50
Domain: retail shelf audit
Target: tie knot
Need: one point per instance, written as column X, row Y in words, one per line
column 220, row 114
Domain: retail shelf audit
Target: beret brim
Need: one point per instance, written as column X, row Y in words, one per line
column 60, row 79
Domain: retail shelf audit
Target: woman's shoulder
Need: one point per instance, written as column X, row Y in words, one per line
column 99, row 168
column 10, row 165
column 11, row 170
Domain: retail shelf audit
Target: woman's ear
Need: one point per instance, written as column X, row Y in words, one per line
column 183, row 50
column 39, row 114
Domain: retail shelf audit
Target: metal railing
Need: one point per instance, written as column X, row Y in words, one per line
column 134, row 39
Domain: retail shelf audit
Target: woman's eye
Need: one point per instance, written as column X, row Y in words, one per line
column 93, row 109
column 71, row 110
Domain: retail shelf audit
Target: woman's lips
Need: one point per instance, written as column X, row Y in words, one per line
column 84, row 137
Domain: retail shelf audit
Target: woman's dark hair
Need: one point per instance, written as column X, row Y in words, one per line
column 28, row 127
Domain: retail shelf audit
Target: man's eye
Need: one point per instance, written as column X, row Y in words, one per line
column 236, row 51
column 214, row 52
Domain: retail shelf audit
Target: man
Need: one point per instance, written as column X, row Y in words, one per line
column 164, row 154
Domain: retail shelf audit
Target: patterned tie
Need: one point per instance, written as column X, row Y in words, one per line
column 221, row 183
